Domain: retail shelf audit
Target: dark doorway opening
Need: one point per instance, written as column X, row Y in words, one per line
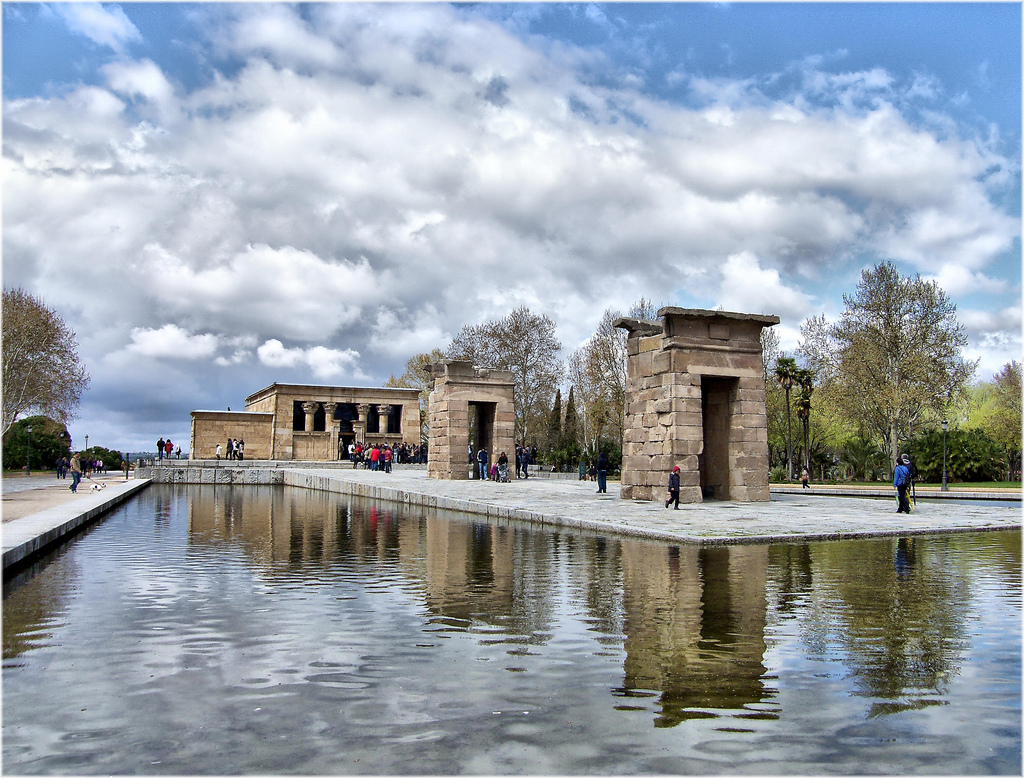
column 716, row 402
column 481, row 431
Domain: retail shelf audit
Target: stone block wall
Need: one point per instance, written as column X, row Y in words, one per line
column 212, row 427
column 695, row 398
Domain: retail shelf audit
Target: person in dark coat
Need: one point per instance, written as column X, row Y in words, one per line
column 602, row 473
column 673, row 488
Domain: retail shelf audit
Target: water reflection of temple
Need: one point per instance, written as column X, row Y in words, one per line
column 465, row 570
column 694, row 627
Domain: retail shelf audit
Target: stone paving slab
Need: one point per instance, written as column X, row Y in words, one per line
column 786, row 517
column 25, row 536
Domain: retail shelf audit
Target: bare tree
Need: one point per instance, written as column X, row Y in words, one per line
column 598, row 371
column 41, row 369
column 525, row 344
column 417, row 376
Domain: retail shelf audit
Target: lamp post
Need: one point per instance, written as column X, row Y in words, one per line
column 945, row 426
column 87, row 441
column 28, row 450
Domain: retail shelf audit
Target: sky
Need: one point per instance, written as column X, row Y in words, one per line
column 217, row 197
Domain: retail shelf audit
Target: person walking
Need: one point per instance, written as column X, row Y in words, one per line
column 901, row 480
column 482, row 459
column 602, row 473
column 160, row 448
column 126, row 464
column 76, row 473
column 524, row 461
column 240, row 450
column 804, row 478
column 218, row 452
column 168, row 448
column 673, row 488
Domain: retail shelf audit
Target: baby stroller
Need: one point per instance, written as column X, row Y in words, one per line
column 503, row 473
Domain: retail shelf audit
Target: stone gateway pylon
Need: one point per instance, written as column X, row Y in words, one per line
column 695, row 398
column 470, row 407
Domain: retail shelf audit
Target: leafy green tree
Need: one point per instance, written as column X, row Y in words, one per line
column 48, row 441
column 41, row 369
column 785, row 374
column 805, row 378
column 112, row 460
column 971, row 455
column 863, row 457
column 895, row 356
column 555, row 423
column 570, row 429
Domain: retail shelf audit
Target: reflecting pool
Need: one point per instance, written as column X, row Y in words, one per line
column 260, row 630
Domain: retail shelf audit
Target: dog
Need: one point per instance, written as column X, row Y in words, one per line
column 97, row 486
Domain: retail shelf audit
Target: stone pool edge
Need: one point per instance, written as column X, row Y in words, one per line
column 28, row 536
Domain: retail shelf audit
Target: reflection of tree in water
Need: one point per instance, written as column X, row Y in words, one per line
column 35, row 599
column 901, row 616
column 694, row 625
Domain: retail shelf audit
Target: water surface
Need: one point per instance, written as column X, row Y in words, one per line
column 260, row 630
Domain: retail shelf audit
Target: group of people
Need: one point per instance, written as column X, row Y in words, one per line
column 164, row 449
column 496, row 470
column 378, row 457
column 235, row 450
column 525, row 456
column 63, row 466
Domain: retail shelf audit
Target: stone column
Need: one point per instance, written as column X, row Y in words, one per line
column 383, row 413
column 359, row 427
column 332, row 428
column 309, row 408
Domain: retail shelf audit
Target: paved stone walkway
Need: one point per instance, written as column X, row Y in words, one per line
column 785, row 517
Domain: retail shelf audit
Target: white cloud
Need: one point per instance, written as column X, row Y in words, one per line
column 143, row 79
column 170, row 341
column 373, row 177
column 322, row 362
column 749, row 288
column 286, row 291
column 106, row 25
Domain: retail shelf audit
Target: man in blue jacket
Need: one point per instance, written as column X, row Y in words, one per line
column 901, row 480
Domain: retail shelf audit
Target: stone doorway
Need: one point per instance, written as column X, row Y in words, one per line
column 481, row 432
column 470, row 406
column 717, row 396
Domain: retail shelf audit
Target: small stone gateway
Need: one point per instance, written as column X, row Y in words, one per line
column 469, row 407
column 695, row 398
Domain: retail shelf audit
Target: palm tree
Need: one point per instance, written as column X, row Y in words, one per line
column 785, row 372
column 805, row 378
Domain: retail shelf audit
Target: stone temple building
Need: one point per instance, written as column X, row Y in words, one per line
column 695, row 398
column 309, row 423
